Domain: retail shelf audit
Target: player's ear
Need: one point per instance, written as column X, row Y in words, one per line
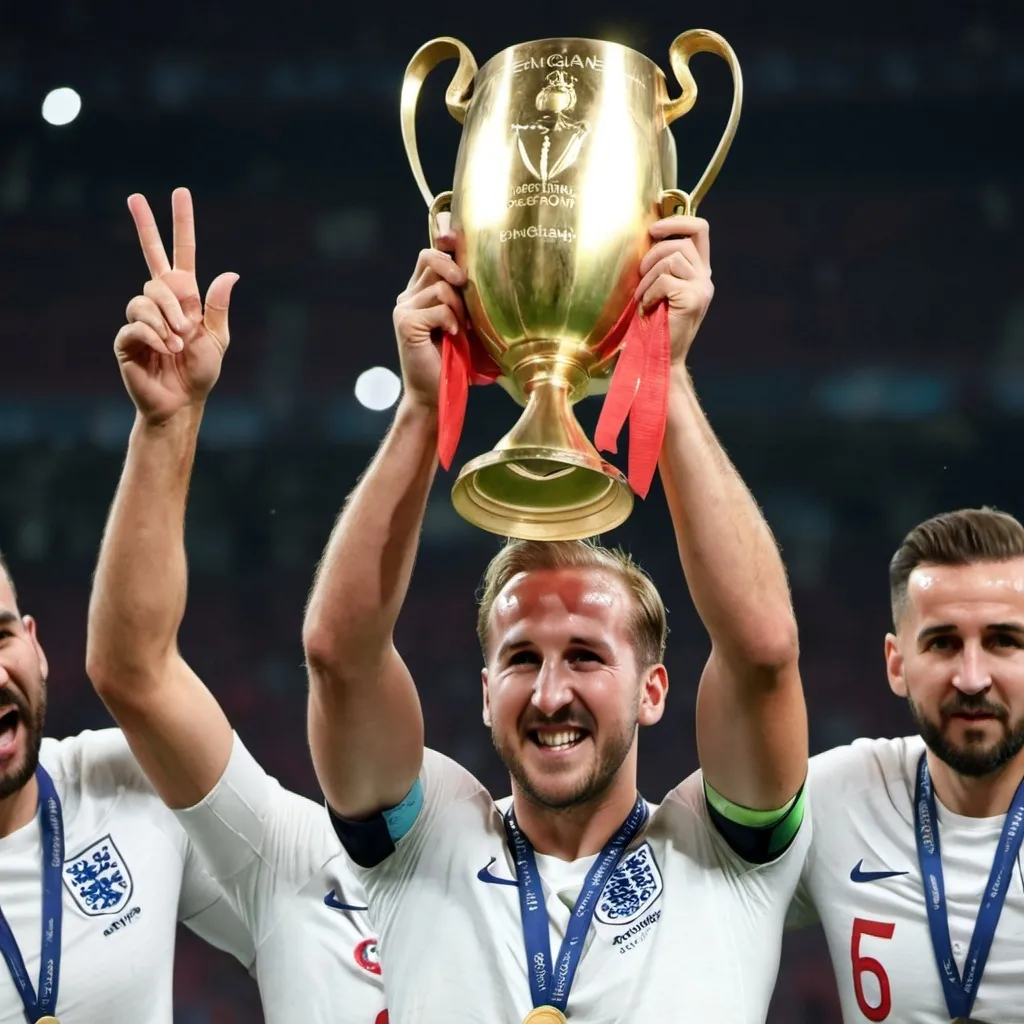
column 487, row 699
column 894, row 665
column 30, row 628
column 652, row 697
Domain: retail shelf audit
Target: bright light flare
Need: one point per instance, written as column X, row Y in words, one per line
column 61, row 106
column 378, row 388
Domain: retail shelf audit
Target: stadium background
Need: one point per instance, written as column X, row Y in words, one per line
column 863, row 360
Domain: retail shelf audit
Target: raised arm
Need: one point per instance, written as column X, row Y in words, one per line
column 365, row 721
column 751, row 718
column 170, row 354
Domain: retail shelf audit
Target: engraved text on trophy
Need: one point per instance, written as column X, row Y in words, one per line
column 559, row 60
column 537, row 193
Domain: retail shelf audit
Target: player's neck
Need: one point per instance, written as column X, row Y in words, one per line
column 581, row 830
column 983, row 796
column 18, row 809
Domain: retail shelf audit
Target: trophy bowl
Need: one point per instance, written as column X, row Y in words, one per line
column 565, row 160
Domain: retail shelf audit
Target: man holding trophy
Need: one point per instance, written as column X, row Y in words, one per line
column 574, row 899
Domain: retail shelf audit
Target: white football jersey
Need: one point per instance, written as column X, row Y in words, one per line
column 863, row 880
column 281, row 867
column 130, row 875
column 683, row 929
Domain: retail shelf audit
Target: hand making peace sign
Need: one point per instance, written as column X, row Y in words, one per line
column 171, row 349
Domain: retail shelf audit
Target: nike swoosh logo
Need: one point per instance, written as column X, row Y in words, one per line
column 484, row 874
column 331, row 900
column 856, row 875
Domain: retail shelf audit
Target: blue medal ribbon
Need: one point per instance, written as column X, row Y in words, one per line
column 550, row 981
column 961, row 992
column 51, row 824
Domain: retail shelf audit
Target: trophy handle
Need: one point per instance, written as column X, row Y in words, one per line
column 441, row 203
column 684, row 46
column 675, row 201
column 457, row 97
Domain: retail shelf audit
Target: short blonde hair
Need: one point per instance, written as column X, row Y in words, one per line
column 649, row 626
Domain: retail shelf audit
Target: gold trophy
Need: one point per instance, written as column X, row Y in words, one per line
column 565, row 161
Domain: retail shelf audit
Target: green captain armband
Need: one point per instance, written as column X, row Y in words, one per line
column 757, row 836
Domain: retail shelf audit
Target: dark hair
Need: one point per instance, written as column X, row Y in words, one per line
column 649, row 626
column 963, row 537
column 7, row 572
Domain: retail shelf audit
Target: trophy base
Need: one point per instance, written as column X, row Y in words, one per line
column 535, row 493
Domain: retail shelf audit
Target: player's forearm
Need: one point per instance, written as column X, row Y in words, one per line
column 729, row 556
column 364, row 574
column 139, row 590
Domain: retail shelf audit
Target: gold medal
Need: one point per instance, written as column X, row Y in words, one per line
column 545, row 1015
column 47, row 1020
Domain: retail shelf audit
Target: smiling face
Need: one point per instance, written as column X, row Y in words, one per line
column 563, row 691
column 22, row 694
column 958, row 657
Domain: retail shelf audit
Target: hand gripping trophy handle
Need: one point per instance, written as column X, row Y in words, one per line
column 684, row 46
column 456, row 97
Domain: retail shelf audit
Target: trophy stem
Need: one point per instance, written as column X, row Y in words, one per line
column 544, row 480
column 548, row 422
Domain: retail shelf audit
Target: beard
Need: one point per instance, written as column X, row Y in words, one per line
column 607, row 761
column 17, row 777
column 969, row 759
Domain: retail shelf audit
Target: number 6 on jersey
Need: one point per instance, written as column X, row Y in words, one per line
column 869, row 965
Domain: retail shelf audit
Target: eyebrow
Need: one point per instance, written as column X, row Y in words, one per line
column 7, row 617
column 993, row 627
column 936, row 631
column 574, row 641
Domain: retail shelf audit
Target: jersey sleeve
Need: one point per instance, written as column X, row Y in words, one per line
column 688, row 808
column 371, row 841
column 757, row 836
column 260, row 843
column 444, row 790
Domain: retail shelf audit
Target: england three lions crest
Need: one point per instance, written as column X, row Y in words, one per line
column 98, row 878
column 634, row 886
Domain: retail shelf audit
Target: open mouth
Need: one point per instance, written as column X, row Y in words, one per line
column 558, row 739
column 10, row 719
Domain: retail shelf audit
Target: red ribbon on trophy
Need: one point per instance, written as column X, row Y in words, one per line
column 638, row 390
column 463, row 362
